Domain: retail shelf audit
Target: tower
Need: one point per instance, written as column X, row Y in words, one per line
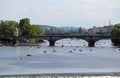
column 109, row 22
column 16, row 32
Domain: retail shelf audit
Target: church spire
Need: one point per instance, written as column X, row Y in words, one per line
column 109, row 22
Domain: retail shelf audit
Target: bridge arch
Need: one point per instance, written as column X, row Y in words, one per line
column 52, row 40
column 90, row 40
column 69, row 42
column 103, row 41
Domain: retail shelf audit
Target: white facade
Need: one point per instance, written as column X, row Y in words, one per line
column 100, row 30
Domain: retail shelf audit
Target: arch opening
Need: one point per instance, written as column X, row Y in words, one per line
column 71, row 42
column 103, row 43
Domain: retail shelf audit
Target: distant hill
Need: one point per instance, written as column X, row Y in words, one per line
column 68, row 28
column 47, row 27
column 50, row 29
column 62, row 30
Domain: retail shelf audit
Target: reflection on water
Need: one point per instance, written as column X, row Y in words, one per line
column 68, row 56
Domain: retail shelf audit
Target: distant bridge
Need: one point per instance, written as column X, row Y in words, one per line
column 91, row 39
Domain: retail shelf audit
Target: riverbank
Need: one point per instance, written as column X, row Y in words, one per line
column 21, row 44
column 27, row 44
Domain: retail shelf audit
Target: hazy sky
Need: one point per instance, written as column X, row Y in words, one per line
column 84, row 13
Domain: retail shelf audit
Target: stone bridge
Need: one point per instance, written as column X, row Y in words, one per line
column 91, row 39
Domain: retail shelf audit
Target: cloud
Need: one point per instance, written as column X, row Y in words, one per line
column 62, row 12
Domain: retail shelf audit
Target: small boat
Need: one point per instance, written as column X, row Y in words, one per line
column 80, row 50
column 90, row 49
column 38, row 46
column 62, row 45
column 119, row 49
column 21, row 57
column 74, row 49
column 29, row 55
column 45, row 51
column 71, row 51
column 54, row 50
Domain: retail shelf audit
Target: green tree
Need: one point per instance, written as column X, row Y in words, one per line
column 7, row 27
column 27, row 29
column 24, row 26
column 80, row 31
column 35, row 30
column 116, row 32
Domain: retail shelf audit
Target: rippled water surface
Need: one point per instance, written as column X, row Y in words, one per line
column 74, row 57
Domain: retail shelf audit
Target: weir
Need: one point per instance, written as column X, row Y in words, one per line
column 62, row 76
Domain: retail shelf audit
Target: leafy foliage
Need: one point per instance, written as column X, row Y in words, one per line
column 35, row 30
column 7, row 27
column 25, row 28
column 116, row 32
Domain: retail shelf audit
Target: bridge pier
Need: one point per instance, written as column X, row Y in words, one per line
column 15, row 41
column 91, row 43
column 51, row 43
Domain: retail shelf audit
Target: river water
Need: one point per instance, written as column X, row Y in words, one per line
column 74, row 57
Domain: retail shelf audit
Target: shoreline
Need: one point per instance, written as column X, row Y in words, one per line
column 21, row 44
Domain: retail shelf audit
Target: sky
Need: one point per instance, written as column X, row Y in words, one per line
column 79, row 13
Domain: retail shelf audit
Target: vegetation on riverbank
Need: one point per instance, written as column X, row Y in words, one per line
column 24, row 28
column 116, row 32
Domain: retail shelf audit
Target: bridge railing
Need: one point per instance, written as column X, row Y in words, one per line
column 107, row 36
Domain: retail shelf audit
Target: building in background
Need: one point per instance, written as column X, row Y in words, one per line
column 106, row 30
